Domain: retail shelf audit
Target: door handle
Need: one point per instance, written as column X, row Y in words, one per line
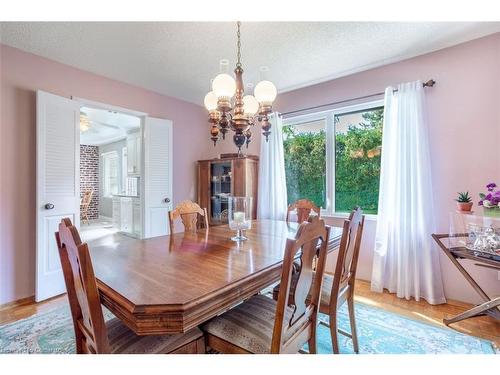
column 166, row 200
column 49, row 206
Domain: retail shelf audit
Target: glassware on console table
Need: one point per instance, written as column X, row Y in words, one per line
column 240, row 216
column 478, row 233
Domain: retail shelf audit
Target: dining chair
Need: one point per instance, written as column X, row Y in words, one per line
column 302, row 208
column 85, row 204
column 188, row 211
column 262, row 325
column 338, row 289
column 94, row 335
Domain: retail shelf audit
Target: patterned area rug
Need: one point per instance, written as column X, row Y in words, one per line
column 379, row 332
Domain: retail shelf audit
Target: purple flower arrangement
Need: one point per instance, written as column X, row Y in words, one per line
column 492, row 198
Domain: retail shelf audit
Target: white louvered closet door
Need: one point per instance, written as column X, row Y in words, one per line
column 58, row 189
column 157, row 176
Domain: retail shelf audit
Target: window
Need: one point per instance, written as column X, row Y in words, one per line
column 110, row 164
column 333, row 157
column 304, row 146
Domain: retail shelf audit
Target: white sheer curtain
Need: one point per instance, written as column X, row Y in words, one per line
column 405, row 260
column 272, row 198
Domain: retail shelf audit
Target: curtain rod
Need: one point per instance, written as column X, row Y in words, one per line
column 429, row 83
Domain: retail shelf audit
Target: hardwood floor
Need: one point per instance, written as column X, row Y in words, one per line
column 484, row 326
column 28, row 307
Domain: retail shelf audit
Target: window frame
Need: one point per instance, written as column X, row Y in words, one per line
column 329, row 117
column 111, row 154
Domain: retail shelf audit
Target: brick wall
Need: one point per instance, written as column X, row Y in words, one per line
column 89, row 176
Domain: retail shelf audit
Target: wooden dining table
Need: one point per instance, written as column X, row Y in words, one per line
column 170, row 284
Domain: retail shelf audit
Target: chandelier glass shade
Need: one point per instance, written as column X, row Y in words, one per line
column 265, row 92
column 211, row 101
column 224, row 86
column 250, row 105
column 230, row 108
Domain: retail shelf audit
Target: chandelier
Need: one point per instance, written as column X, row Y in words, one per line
column 230, row 108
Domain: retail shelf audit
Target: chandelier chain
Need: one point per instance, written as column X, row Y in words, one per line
column 238, row 34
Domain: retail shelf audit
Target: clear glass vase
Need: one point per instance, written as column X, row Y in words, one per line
column 240, row 216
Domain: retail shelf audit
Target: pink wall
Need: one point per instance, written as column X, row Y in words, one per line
column 464, row 116
column 464, row 119
column 21, row 75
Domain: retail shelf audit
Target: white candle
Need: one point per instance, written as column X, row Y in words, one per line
column 239, row 217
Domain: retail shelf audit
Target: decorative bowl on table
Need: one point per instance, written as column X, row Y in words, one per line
column 240, row 216
column 484, row 239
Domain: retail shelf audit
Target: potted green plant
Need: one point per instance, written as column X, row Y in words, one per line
column 464, row 202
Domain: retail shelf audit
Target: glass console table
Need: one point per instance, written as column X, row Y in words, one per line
column 476, row 238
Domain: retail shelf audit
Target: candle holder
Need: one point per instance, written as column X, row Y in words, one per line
column 240, row 216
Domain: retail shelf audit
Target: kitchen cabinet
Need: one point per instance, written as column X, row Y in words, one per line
column 134, row 154
column 127, row 215
column 136, row 217
column 116, row 212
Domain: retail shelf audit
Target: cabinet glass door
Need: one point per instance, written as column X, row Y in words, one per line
column 220, row 190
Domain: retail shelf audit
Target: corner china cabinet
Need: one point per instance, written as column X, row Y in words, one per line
column 228, row 176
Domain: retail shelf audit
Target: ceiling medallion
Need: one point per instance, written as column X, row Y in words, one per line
column 230, row 108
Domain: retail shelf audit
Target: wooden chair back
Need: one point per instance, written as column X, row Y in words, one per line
column 347, row 260
column 90, row 329
column 303, row 208
column 87, row 198
column 290, row 334
column 188, row 212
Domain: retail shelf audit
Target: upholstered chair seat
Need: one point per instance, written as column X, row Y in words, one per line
column 248, row 326
column 122, row 340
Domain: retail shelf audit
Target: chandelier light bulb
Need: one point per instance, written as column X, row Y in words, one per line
column 224, row 86
column 250, row 105
column 210, row 101
column 265, row 92
column 84, row 123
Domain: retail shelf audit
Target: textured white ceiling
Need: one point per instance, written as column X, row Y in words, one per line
column 107, row 126
column 180, row 58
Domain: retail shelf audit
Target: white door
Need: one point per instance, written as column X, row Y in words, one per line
column 157, row 176
column 58, row 189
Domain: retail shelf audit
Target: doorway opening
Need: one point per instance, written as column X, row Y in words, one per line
column 138, row 191
column 110, row 173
